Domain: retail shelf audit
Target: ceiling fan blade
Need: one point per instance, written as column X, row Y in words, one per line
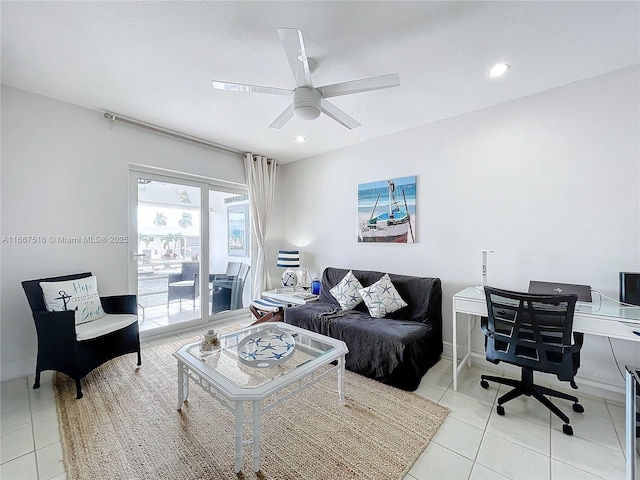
column 283, row 118
column 363, row 85
column 338, row 115
column 240, row 87
column 293, row 44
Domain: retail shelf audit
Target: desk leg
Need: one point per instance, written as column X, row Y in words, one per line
column 239, row 437
column 467, row 357
column 256, row 436
column 455, row 349
column 630, row 424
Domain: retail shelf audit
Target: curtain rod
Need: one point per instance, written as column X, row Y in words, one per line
column 170, row 133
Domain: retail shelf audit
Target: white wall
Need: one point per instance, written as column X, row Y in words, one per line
column 64, row 172
column 550, row 182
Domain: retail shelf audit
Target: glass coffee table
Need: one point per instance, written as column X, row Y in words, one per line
column 254, row 363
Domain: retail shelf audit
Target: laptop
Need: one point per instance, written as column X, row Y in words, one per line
column 552, row 288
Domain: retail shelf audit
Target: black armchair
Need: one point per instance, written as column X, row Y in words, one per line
column 76, row 350
column 184, row 285
column 533, row 332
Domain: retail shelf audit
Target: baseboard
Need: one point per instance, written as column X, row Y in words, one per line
column 27, row 367
column 17, row 369
column 598, row 389
column 590, row 387
column 194, row 328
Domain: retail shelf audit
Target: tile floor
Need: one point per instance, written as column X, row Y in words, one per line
column 474, row 442
column 161, row 316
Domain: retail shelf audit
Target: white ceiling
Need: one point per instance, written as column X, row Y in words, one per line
column 154, row 61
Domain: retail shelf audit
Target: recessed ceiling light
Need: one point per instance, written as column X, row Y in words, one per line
column 499, row 69
column 300, row 139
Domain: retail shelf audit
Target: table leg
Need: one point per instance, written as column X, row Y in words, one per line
column 341, row 380
column 256, row 436
column 183, row 385
column 469, row 321
column 239, row 437
column 455, row 350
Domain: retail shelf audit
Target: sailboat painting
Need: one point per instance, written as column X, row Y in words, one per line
column 387, row 210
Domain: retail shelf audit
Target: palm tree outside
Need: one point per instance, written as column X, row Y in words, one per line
column 160, row 220
column 186, row 220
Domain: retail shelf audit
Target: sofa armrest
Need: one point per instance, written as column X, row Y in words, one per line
column 120, row 304
column 174, row 277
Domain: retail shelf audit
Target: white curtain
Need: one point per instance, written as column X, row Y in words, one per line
column 261, row 179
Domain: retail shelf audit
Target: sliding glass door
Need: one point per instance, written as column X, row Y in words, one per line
column 189, row 264
column 229, row 252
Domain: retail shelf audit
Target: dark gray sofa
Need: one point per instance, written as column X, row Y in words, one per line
column 397, row 349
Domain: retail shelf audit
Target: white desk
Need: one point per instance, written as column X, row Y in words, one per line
column 606, row 319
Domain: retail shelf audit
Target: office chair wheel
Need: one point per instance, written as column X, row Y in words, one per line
column 578, row 408
column 484, row 384
column 500, row 410
column 567, row 430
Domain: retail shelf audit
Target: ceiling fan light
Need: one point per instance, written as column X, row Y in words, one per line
column 306, row 103
column 307, row 111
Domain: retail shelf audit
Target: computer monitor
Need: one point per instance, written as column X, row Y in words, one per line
column 630, row 288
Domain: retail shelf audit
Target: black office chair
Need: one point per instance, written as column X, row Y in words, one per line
column 533, row 332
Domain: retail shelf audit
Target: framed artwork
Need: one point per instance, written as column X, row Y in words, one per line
column 387, row 211
column 238, row 230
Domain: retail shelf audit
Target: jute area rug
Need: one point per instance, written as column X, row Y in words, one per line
column 127, row 427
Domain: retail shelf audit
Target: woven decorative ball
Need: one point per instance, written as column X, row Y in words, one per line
column 289, row 278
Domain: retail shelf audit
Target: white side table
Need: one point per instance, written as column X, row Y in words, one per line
column 295, row 297
column 271, row 306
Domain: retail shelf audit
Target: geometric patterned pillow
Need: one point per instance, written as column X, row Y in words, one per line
column 80, row 295
column 382, row 298
column 346, row 292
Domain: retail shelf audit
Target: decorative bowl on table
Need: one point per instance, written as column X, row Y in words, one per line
column 266, row 349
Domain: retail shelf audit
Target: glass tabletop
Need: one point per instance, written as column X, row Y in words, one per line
column 600, row 306
column 252, row 357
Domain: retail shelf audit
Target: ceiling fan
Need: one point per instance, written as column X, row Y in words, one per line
column 309, row 101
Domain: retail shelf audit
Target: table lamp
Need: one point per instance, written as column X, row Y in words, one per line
column 289, row 259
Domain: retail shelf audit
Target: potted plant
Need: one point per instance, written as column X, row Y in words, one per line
column 177, row 237
column 166, row 240
column 146, row 239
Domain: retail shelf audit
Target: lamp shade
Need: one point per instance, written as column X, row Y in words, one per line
column 288, row 258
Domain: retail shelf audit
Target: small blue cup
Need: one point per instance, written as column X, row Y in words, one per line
column 315, row 287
